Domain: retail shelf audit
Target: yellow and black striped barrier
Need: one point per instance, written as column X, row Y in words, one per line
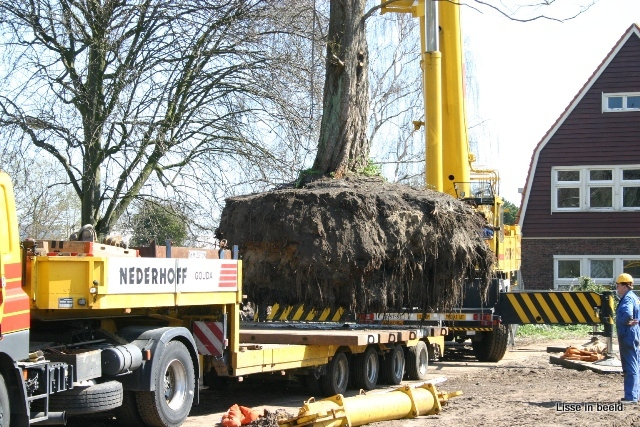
column 574, row 307
column 300, row 313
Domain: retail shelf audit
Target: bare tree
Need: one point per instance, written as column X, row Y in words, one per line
column 127, row 95
column 396, row 98
column 343, row 144
column 46, row 206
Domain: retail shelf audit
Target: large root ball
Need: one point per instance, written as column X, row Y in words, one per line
column 359, row 243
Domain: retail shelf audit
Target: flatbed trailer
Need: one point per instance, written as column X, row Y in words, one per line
column 89, row 328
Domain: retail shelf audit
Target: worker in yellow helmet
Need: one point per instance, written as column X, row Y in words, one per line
column 627, row 316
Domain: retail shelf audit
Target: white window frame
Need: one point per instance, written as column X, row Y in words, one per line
column 585, row 269
column 616, row 183
column 623, row 95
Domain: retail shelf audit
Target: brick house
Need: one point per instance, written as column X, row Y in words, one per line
column 580, row 210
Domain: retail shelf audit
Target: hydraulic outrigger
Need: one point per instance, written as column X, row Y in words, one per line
column 402, row 403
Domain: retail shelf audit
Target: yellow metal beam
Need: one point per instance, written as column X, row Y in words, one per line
column 455, row 140
column 404, row 402
column 433, row 103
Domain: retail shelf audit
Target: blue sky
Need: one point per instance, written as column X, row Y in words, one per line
column 527, row 73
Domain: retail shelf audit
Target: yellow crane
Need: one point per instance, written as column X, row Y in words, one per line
column 449, row 164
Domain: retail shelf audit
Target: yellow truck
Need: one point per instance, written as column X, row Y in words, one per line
column 89, row 328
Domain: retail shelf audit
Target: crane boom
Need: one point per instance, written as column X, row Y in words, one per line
column 449, row 163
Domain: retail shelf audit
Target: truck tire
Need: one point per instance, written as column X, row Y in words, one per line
column 492, row 346
column 417, row 361
column 170, row 403
column 392, row 369
column 366, row 369
column 87, row 400
column 337, row 376
column 127, row 414
column 5, row 409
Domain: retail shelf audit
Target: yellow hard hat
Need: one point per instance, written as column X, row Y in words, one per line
column 624, row 278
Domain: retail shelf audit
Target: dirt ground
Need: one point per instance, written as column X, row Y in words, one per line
column 523, row 389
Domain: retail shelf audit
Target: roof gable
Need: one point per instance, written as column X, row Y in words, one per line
column 632, row 31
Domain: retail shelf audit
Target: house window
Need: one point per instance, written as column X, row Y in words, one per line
column 593, row 188
column 568, row 192
column 632, row 267
column 568, row 268
column 600, row 188
column 631, row 188
column 616, row 102
column 602, row 269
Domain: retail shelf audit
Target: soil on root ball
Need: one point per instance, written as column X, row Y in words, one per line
column 359, row 243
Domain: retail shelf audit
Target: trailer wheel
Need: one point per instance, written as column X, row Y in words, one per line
column 417, row 361
column 366, row 368
column 312, row 385
column 393, row 366
column 87, row 400
column 5, row 409
column 169, row 404
column 492, row 346
column 337, row 377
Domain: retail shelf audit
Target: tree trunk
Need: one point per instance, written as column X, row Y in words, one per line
column 92, row 110
column 343, row 146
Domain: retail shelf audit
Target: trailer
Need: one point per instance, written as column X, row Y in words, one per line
column 89, row 328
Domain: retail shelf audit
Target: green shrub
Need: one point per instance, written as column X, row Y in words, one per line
column 587, row 284
column 370, row 169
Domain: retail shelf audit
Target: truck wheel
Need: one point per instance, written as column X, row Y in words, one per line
column 417, row 361
column 366, row 369
column 127, row 414
column 393, row 366
column 5, row 412
column 169, row 404
column 87, row 400
column 337, row 377
column 492, row 346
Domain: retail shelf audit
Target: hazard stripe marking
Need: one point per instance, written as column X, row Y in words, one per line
column 550, row 307
column 13, row 271
column 549, row 312
column 15, row 321
column 514, row 303
column 304, row 313
column 574, row 308
column 209, row 337
column 563, row 313
column 228, row 276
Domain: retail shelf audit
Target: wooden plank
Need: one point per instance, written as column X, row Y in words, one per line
column 582, row 366
column 65, row 246
column 74, row 247
column 108, row 250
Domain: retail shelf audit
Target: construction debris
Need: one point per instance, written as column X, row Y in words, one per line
column 574, row 353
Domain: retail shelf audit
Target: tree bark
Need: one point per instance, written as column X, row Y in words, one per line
column 343, row 145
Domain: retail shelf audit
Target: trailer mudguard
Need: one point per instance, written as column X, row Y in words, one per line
column 154, row 339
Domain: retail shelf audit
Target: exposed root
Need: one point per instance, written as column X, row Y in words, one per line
column 359, row 243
